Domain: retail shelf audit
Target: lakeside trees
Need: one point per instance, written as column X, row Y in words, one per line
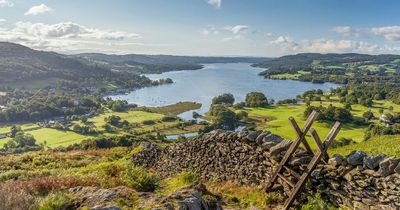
column 226, row 98
column 256, row 99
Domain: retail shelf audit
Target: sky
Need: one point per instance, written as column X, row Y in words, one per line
column 203, row 27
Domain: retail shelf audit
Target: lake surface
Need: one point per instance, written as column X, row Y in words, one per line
column 215, row 79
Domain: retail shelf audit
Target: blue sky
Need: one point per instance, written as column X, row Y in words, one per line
column 203, row 27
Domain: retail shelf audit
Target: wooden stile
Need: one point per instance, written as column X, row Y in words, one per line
column 320, row 155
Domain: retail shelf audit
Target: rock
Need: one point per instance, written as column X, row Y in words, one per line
column 387, row 166
column 372, row 162
column 397, row 169
column 336, row 160
column 273, row 138
column 253, row 136
column 105, row 208
column 194, row 202
column 356, row 158
column 260, row 137
column 100, row 199
column 283, row 146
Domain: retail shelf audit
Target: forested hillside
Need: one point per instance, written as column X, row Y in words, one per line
column 339, row 68
column 157, row 63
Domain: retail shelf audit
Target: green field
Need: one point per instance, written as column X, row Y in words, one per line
column 388, row 145
column 275, row 119
column 52, row 137
column 176, row 109
column 24, row 127
column 130, row 116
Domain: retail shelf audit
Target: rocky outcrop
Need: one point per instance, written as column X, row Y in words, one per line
column 250, row 157
column 93, row 198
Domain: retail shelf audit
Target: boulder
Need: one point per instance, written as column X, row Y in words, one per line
column 273, row 138
column 372, row 162
column 387, row 166
column 253, row 136
column 356, row 158
column 397, row 169
column 193, row 202
column 260, row 137
column 282, row 146
column 336, row 160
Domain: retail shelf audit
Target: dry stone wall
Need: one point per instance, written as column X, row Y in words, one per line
column 358, row 180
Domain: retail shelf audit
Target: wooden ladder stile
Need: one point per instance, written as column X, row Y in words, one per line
column 293, row 147
column 320, row 155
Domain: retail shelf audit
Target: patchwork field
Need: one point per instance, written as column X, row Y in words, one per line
column 54, row 138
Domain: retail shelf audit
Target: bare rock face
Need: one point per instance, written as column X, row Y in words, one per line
column 99, row 199
column 250, row 158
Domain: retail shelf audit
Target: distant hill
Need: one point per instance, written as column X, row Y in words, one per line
column 20, row 64
column 305, row 61
column 339, row 68
column 157, row 63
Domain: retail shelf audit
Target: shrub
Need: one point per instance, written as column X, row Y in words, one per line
column 55, row 201
column 148, row 122
column 15, row 197
column 316, row 202
column 139, row 179
column 168, row 118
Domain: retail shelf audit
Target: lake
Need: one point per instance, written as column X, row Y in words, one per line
column 215, row 79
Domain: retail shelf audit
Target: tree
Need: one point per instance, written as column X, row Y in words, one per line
column 256, row 99
column 83, row 118
column 225, row 98
column 14, row 130
column 113, row 120
column 223, row 117
column 368, row 115
column 196, row 115
column 23, row 139
column 242, row 115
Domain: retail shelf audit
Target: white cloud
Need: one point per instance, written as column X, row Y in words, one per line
column 390, row 33
column 210, row 30
column 227, row 39
column 69, row 30
column 2, row 21
column 326, row 46
column 237, row 29
column 39, row 9
column 6, row 3
column 346, row 30
column 66, row 36
column 215, row 3
column 287, row 45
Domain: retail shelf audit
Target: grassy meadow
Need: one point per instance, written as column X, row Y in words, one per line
column 275, row 119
